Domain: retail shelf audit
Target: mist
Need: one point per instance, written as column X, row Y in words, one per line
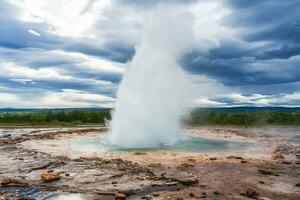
column 155, row 91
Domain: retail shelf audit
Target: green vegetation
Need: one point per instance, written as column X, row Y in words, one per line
column 211, row 117
column 76, row 117
column 197, row 117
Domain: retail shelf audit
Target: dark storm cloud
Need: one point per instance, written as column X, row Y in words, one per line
column 276, row 25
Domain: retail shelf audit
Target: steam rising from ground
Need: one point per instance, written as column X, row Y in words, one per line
column 154, row 93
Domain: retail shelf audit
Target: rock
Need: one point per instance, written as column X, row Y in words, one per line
column 192, row 194
column 185, row 166
column 67, row 174
column 50, row 177
column 216, row 192
column 242, row 193
column 40, row 166
column 261, row 182
column 140, row 153
column 244, row 161
column 114, row 182
column 286, row 162
column 263, row 198
column 155, row 194
column 120, row 196
column 6, row 135
column 203, row 195
column 146, row 197
column 251, row 193
column 182, row 177
column 235, row 157
column 6, row 181
column 265, row 171
column 277, row 156
column 192, row 160
column 297, row 184
column 298, row 155
column 213, row 158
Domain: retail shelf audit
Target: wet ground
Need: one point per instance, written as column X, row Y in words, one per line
column 54, row 163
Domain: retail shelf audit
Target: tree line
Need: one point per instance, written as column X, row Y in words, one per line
column 196, row 117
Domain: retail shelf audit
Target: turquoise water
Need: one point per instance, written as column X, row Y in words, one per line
column 187, row 144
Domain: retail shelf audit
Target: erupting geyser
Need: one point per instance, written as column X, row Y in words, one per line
column 154, row 93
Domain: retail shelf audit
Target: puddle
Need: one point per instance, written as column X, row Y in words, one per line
column 188, row 144
column 39, row 194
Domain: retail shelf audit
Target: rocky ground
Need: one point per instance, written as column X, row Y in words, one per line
column 29, row 169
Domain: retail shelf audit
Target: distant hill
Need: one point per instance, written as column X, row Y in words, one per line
column 257, row 109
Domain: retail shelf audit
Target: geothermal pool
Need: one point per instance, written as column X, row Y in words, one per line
column 187, row 143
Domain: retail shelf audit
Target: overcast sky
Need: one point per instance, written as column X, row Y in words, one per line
column 72, row 53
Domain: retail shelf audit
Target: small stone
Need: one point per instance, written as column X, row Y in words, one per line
column 192, row 194
column 263, row 198
column 286, row 162
column 242, row 193
column 6, row 181
column 146, row 197
column 297, row 184
column 213, row 158
column 50, row 171
column 6, row 135
column 277, row 155
column 50, row 177
column 155, row 194
column 217, row 193
column 67, row 174
column 261, row 182
column 244, row 161
column 251, row 193
column 265, row 171
column 120, row 196
column 140, row 153
column 235, row 157
column 114, row 182
column 203, row 195
column 21, row 158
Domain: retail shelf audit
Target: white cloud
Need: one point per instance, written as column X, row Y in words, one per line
column 63, row 17
column 22, row 81
column 205, row 102
column 294, row 96
column 13, row 71
column 51, row 99
column 33, row 32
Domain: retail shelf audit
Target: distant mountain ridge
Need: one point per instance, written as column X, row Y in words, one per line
column 224, row 109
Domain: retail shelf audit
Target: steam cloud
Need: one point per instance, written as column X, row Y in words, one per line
column 154, row 93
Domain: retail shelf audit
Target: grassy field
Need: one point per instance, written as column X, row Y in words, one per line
column 239, row 117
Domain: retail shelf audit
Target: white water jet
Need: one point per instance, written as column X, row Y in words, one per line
column 155, row 92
